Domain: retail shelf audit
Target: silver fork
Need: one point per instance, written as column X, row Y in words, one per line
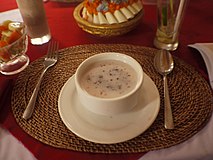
column 49, row 61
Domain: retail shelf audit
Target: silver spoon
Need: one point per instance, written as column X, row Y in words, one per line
column 164, row 64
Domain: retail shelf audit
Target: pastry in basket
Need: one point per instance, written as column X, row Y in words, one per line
column 110, row 11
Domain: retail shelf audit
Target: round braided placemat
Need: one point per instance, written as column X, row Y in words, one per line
column 191, row 100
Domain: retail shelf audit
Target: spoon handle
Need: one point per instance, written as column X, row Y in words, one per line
column 168, row 119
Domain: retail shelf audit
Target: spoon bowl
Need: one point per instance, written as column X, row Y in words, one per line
column 164, row 64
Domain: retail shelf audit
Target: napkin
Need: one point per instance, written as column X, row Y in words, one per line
column 11, row 148
column 198, row 147
column 206, row 50
column 13, row 15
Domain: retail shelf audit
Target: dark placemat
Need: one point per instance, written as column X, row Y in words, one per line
column 191, row 99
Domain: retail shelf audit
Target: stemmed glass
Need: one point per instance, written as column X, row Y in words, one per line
column 13, row 48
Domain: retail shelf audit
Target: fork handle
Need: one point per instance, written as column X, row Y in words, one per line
column 31, row 105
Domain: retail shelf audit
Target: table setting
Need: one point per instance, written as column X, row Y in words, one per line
column 60, row 126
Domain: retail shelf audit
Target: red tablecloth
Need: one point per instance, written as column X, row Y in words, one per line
column 197, row 27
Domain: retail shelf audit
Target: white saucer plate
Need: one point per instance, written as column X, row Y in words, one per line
column 108, row 129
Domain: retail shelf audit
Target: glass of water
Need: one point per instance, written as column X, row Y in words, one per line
column 34, row 16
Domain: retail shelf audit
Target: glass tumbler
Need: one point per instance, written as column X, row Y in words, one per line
column 34, row 16
column 170, row 15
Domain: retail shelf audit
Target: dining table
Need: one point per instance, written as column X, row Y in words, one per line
column 48, row 138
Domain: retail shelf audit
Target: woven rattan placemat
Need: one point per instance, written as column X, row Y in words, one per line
column 191, row 99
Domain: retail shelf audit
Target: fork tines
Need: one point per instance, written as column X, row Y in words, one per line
column 52, row 48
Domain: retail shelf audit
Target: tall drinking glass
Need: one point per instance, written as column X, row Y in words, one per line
column 34, row 17
column 170, row 15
